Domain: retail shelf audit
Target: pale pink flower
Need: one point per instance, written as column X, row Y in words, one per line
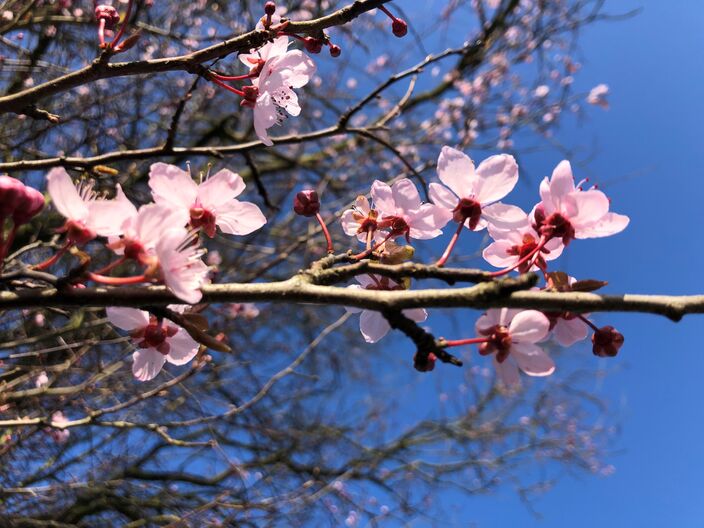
column 511, row 245
column 42, row 380
column 360, row 219
column 402, row 212
column 372, row 324
column 567, row 328
column 542, row 91
column 256, row 58
column 568, row 212
column 180, row 265
column 156, row 341
column 86, row 215
column 597, row 96
column 280, row 74
column 58, row 420
column 210, row 204
column 513, row 335
column 247, row 310
column 471, row 196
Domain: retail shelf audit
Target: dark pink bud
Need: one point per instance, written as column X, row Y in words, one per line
column 270, row 8
column 313, row 45
column 399, row 27
column 29, row 205
column 335, row 50
column 424, row 363
column 11, row 193
column 607, row 341
column 306, row 203
column 107, row 13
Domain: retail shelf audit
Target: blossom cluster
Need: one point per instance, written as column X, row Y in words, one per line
column 471, row 197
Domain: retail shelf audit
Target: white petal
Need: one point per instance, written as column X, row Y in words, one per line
column 532, row 359
column 220, row 188
column 239, row 218
column 147, row 363
column 127, row 318
column 182, row 348
column 172, row 186
column 497, row 177
column 529, row 326
column 373, row 326
column 65, row 195
column 456, row 170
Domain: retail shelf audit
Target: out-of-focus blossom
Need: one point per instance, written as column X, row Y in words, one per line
column 597, row 96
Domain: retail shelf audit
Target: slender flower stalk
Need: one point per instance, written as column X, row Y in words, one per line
column 116, row 281
column 443, row 259
column 469, row 341
column 54, row 258
column 328, row 239
column 123, row 26
column 541, row 244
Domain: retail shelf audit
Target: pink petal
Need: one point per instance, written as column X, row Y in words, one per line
column 456, row 170
column 349, row 224
column 406, row 195
column 239, row 218
column 585, row 208
column 507, row 372
column 549, row 206
column 504, row 216
column 153, row 219
column 373, row 326
column 106, row 217
column 442, row 196
column 428, row 221
column 382, row 195
column 528, row 326
column 183, row 271
column 497, row 255
column 568, row 332
column 65, row 195
column 183, row 348
column 295, row 67
column 220, row 188
column 497, row 177
column 265, row 117
column 609, row 224
column 127, row 318
column 416, row 314
column 353, row 309
column 172, row 186
column 555, row 247
column 532, row 359
column 147, row 363
column 562, row 181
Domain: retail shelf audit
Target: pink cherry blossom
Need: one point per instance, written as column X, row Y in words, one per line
column 469, row 195
column 597, row 96
column 512, row 336
column 86, row 215
column 210, row 204
column 511, row 245
column 156, row 341
column 280, row 74
column 373, row 325
column 402, row 212
column 360, row 220
column 180, row 265
column 58, row 420
column 256, row 58
column 568, row 212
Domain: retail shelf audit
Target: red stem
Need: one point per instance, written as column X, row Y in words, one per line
column 121, row 32
column 55, row 257
column 111, row 266
column 226, row 86
column 588, row 322
column 366, row 253
column 232, row 77
column 115, row 281
column 469, row 341
column 387, row 12
column 325, row 232
column 450, row 246
column 101, row 32
column 501, row 273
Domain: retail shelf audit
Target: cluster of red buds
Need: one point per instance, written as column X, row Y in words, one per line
column 18, row 204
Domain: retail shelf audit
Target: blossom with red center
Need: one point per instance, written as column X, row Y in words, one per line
column 210, row 204
column 568, row 212
column 179, row 264
column 373, row 325
column 402, row 213
column 511, row 337
column 472, row 196
column 360, row 220
column 86, row 215
column 157, row 341
column 510, row 246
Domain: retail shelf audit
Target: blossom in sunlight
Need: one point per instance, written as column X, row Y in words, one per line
column 512, row 245
column 597, row 96
column 401, row 211
column 42, row 380
column 372, row 324
column 180, row 265
column 468, row 195
column 86, row 215
column 210, row 204
column 511, row 337
column 58, row 420
column 360, row 220
column 256, row 59
column 272, row 94
column 567, row 212
column 157, row 341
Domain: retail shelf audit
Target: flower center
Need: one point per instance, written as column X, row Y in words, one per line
column 202, row 218
column 78, row 233
column 554, row 226
column 467, row 209
column 397, row 224
column 155, row 335
column 529, row 243
column 499, row 342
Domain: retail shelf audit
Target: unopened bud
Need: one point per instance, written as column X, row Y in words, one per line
column 335, row 50
column 607, row 341
column 270, row 8
column 306, row 203
column 399, row 27
column 313, row 45
column 423, row 362
column 11, row 192
column 28, row 206
column 107, row 13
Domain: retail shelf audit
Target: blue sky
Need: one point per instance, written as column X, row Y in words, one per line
column 648, row 160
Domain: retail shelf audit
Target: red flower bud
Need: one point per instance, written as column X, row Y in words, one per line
column 607, row 341
column 335, row 50
column 424, row 363
column 399, row 27
column 107, row 13
column 270, row 8
column 306, row 203
column 28, row 206
column 11, row 193
column 313, row 45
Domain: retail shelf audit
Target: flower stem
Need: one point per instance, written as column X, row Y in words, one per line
column 116, row 281
column 469, row 341
column 588, row 322
column 369, row 251
column 226, row 86
column 231, row 77
column 388, row 13
column 123, row 26
column 111, row 266
column 101, row 32
column 440, row 263
column 325, row 232
column 54, row 258
column 526, row 258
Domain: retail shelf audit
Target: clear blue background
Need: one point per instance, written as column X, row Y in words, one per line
column 648, row 160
